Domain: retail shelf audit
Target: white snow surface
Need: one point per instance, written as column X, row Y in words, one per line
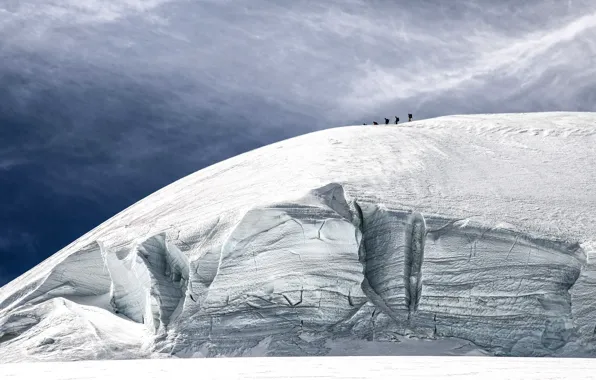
column 463, row 231
column 331, row 368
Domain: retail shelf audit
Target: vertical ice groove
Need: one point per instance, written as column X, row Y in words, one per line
column 149, row 282
column 378, row 261
column 413, row 257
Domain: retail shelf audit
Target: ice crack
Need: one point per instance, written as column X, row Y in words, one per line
column 414, row 255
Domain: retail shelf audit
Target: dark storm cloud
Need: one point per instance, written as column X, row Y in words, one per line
column 103, row 102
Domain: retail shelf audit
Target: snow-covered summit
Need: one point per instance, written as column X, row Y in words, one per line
column 471, row 227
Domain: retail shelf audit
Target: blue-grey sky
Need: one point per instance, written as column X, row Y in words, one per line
column 103, row 102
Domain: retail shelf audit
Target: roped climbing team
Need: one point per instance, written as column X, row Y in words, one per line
column 396, row 120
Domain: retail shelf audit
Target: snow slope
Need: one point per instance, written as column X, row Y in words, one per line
column 476, row 228
column 335, row 368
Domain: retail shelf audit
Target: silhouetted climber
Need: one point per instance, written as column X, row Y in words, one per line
column 386, row 121
column 410, row 117
column 363, row 123
column 375, row 123
column 396, row 120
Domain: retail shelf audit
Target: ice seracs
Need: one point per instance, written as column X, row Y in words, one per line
column 466, row 227
column 82, row 273
column 148, row 284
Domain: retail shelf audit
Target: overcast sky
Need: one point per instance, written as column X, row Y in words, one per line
column 103, row 102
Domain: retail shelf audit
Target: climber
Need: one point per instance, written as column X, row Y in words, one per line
column 386, row 121
column 410, row 117
column 396, row 120
column 375, row 123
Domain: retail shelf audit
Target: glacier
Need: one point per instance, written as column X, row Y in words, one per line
column 473, row 228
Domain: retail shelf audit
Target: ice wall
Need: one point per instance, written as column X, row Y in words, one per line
column 500, row 289
column 503, row 290
column 326, row 264
column 285, row 268
column 290, row 276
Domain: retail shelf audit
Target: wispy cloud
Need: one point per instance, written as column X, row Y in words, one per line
column 10, row 163
column 525, row 58
column 63, row 12
column 349, row 58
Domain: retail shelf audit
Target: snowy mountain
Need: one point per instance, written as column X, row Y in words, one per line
column 463, row 228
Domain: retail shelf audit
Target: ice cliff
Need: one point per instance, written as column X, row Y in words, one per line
column 479, row 228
